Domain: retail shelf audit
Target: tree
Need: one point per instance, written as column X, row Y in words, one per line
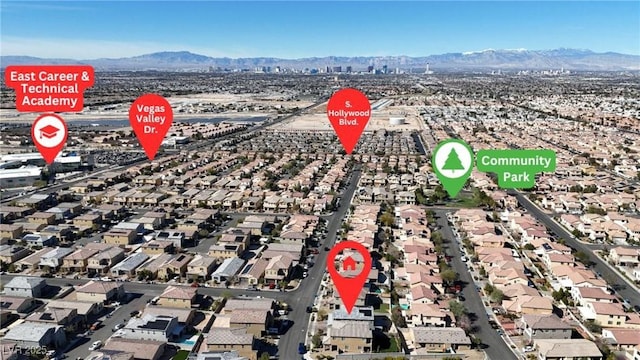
column 316, row 339
column 592, row 326
column 387, row 219
column 449, row 276
column 453, row 161
column 437, row 238
column 457, row 308
column 264, row 356
column 584, row 258
column 397, row 318
column 322, row 314
column 145, row 274
column 497, row 296
column 439, row 194
column 488, row 289
column 482, row 272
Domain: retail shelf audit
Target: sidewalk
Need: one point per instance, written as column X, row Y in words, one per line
column 613, row 268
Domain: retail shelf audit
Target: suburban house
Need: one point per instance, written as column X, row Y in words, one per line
column 104, row 260
column 78, row 260
column 422, row 314
column 16, row 304
column 625, row 256
column 255, row 322
column 104, row 291
column 534, row 327
column 224, row 339
column 32, row 335
column 23, row 286
column 150, row 327
column 353, row 336
column 140, row 349
column 178, row 297
column 278, row 269
column 200, row 267
column 605, row 314
column 424, row 340
column 567, row 349
column 622, row 339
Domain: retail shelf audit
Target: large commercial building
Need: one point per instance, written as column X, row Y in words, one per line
column 21, row 177
column 62, row 163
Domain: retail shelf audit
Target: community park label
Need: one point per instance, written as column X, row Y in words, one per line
column 516, row 169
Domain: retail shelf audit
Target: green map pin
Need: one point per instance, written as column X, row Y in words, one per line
column 452, row 160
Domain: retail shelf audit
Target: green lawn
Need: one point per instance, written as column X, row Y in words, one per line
column 463, row 201
column 393, row 346
column 384, row 308
column 181, row 355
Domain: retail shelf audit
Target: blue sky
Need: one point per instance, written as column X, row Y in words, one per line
column 86, row 30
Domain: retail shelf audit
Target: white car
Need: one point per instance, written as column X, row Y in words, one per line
column 96, row 345
column 463, row 258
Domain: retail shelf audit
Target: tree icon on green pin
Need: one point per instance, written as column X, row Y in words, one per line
column 452, row 161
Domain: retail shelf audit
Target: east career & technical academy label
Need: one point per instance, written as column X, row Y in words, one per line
column 49, row 88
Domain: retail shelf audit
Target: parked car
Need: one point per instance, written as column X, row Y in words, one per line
column 96, row 345
column 134, row 313
column 117, row 327
column 302, row 349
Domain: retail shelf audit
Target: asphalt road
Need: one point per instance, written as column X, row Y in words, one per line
column 306, row 293
column 495, row 347
column 612, row 277
column 120, row 316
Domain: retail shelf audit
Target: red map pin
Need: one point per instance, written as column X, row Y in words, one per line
column 349, row 287
column 150, row 117
column 349, row 111
column 49, row 134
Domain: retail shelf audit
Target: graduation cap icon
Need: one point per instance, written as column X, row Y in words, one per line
column 48, row 132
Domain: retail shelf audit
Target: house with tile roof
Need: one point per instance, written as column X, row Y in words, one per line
column 183, row 297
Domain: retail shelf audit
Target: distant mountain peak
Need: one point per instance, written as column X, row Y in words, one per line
column 184, row 56
column 488, row 59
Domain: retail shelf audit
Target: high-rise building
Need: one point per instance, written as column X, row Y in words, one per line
column 384, row 69
column 348, row 69
column 337, row 69
column 370, row 68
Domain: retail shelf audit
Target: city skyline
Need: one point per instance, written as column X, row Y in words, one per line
column 80, row 30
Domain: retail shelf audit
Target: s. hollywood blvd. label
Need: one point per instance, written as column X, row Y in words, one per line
column 349, row 111
column 516, row 169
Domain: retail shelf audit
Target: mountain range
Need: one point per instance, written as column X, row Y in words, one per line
column 516, row 59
